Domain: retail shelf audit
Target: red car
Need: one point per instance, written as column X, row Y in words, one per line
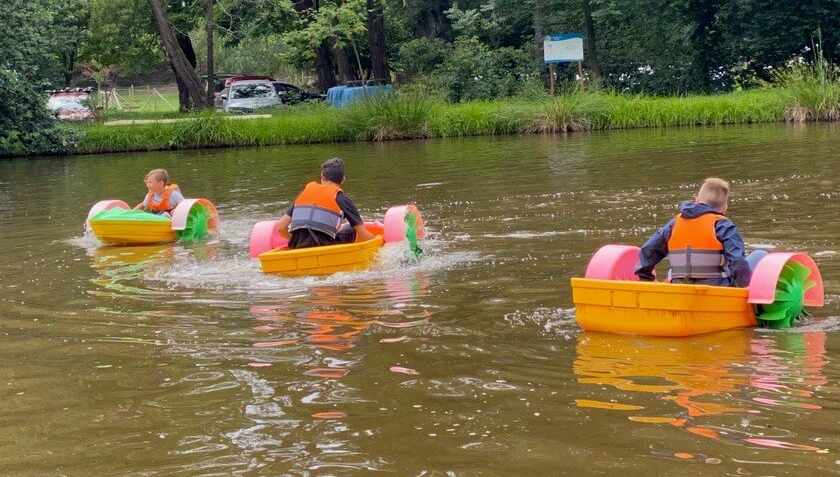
column 234, row 79
column 71, row 105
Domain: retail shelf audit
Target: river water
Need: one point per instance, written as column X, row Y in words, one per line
column 185, row 359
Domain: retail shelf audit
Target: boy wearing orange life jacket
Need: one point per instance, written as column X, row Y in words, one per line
column 163, row 197
column 703, row 246
column 316, row 216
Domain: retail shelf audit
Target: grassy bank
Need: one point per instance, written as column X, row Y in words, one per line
column 407, row 116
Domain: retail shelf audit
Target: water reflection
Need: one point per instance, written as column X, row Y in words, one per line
column 737, row 372
column 125, row 270
column 330, row 327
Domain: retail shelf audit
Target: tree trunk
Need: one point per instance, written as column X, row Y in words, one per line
column 184, row 102
column 376, row 37
column 431, row 20
column 324, row 68
column 211, row 83
column 177, row 59
column 540, row 14
column 68, row 64
column 704, row 40
column 322, row 62
column 591, row 51
column 346, row 69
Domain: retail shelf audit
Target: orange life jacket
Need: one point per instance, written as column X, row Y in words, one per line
column 693, row 249
column 163, row 205
column 315, row 208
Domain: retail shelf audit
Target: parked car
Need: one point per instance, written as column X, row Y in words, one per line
column 222, row 87
column 220, row 98
column 291, row 94
column 72, row 105
column 249, row 95
column 234, row 79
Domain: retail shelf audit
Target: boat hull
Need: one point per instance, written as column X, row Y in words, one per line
column 659, row 309
column 133, row 232
column 113, row 222
column 323, row 260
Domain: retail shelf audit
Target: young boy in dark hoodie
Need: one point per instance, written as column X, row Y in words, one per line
column 703, row 246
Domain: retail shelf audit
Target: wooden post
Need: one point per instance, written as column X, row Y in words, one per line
column 551, row 77
column 580, row 75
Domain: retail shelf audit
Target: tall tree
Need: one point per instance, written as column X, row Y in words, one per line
column 184, row 71
column 70, row 32
column 209, row 32
column 704, row 40
column 185, row 102
column 322, row 59
column 376, row 39
column 344, row 63
column 591, row 42
column 428, row 18
column 122, row 33
column 760, row 34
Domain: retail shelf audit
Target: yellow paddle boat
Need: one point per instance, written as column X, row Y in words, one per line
column 611, row 298
column 401, row 223
column 114, row 222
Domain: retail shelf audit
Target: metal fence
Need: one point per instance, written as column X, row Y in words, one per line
column 139, row 98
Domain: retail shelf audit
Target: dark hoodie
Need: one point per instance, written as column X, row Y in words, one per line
column 738, row 272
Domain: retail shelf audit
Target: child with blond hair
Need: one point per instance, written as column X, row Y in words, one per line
column 163, row 196
column 703, row 246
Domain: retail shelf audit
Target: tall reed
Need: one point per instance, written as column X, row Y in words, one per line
column 812, row 91
column 206, row 130
column 571, row 110
column 387, row 116
column 477, row 118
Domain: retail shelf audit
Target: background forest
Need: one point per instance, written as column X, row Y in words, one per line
column 458, row 50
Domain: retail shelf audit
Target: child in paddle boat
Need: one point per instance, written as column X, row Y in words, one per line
column 703, row 246
column 163, row 197
column 315, row 217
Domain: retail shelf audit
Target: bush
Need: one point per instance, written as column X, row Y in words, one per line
column 26, row 127
column 417, row 57
column 473, row 71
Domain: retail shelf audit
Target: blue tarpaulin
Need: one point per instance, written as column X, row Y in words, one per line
column 339, row 96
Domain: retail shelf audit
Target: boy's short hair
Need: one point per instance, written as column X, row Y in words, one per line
column 714, row 192
column 159, row 175
column 333, row 170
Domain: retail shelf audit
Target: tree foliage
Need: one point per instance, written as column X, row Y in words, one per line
column 26, row 57
column 122, row 33
column 470, row 49
column 474, row 71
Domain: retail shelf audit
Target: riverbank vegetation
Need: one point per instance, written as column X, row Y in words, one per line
column 408, row 114
column 475, row 67
column 801, row 92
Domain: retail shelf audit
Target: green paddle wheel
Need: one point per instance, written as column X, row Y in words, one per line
column 197, row 223
column 790, row 294
column 411, row 234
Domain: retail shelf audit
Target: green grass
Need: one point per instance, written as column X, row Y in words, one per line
column 127, row 102
column 799, row 96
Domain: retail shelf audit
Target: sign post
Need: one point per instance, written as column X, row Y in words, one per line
column 563, row 48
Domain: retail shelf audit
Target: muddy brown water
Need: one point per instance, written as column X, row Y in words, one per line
column 184, row 359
